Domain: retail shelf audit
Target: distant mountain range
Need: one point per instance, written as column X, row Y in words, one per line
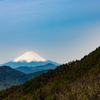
column 29, row 59
column 28, row 70
column 24, row 68
column 30, row 64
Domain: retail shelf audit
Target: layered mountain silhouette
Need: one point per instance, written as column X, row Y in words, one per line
column 76, row 80
column 23, row 68
column 28, row 70
column 10, row 77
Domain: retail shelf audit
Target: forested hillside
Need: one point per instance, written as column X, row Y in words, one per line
column 76, row 80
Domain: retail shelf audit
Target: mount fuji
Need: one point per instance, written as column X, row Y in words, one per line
column 31, row 60
column 29, row 57
column 25, row 67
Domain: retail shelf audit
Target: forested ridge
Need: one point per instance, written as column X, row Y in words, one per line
column 76, row 80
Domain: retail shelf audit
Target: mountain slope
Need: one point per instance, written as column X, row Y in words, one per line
column 10, row 77
column 77, row 80
column 28, row 70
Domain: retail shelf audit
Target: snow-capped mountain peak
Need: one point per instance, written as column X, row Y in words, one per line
column 29, row 57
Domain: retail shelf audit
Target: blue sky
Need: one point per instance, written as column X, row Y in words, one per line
column 58, row 30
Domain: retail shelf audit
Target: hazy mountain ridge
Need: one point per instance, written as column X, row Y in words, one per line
column 30, row 64
column 35, row 74
column 10, row 77
column 78, row 79
column 28, row 70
